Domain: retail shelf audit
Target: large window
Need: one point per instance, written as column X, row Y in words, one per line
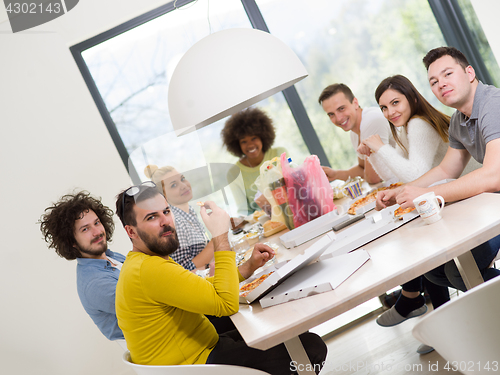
column 479, row 39
column 357, row 42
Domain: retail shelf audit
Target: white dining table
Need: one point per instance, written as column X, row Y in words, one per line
column 395, row 258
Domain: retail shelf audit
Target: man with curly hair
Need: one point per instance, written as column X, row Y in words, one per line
column 249, row 135
column 78, row 227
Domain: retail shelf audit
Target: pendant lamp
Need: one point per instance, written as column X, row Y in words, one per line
column 226, row 72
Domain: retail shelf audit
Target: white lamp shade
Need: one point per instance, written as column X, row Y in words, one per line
column 226, row 72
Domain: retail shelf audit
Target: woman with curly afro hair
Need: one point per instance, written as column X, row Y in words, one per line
column 249, row 135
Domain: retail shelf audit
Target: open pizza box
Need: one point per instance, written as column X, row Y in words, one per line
column 367, row 230
column 318, row 277
column 281, row 271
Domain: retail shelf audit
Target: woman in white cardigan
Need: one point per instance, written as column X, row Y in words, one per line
column 421, row 134
column 420, row 131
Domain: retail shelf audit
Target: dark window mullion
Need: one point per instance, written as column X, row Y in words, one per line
column 457, row 34
column 291, row 95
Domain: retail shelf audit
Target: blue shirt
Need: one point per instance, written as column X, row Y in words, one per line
column 96, row 283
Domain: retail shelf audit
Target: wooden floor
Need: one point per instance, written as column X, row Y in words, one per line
column 370, row 349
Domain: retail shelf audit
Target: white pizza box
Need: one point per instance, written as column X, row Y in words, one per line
column 367, row 230
column 282, row 271
column 318, row 277
column 312, row 229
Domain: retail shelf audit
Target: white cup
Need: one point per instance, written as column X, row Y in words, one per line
column 428, row 207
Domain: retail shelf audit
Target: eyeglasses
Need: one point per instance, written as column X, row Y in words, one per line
column 133, row 191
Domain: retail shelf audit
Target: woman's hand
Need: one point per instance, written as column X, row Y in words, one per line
column 370, row 145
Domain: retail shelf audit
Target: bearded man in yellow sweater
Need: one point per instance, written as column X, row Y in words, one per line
column 161, row 307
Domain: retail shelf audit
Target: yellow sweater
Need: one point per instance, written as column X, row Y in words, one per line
column 160, row 308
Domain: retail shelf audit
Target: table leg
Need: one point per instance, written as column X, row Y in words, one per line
column 299, row 357
column 468, row 270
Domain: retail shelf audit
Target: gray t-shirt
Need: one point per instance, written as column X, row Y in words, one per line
column 483, row 125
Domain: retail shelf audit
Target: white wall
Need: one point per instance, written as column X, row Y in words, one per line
column 53, row 140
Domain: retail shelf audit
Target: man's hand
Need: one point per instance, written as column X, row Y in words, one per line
column 408, row 194
column 260, row 255
column 330, row 173
column 216, row 220
column 386, row 198
column 403, row 196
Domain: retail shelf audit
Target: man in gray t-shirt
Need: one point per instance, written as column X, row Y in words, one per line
column 474, row 131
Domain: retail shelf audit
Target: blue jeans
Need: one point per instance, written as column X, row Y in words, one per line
column 448, row 274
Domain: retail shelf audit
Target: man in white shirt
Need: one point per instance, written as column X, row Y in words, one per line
column 345, row 112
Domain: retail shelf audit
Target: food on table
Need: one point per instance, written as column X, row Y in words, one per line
column 353, row 189
column 247, row 288
column 272, row 227
column 400, row 212
column 372, row 197
column 361, row 202
column 258, row 214
column 252, row 238
column 340, row 187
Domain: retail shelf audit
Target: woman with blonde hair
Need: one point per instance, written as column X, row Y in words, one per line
column 195, row 251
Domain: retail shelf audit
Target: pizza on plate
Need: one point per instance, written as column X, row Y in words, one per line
column 372, row 197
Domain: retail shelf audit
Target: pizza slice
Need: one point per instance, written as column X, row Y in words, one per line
column 400, row 212
column 249, row 287
column 372, row 197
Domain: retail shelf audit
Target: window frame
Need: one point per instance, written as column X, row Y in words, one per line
column 457, row 34
column 448, row 16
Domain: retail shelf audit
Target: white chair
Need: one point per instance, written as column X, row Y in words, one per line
column 190, row 369
column 466, row 331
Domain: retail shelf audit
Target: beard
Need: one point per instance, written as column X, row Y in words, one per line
column 160, row 245
column 95, row 251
